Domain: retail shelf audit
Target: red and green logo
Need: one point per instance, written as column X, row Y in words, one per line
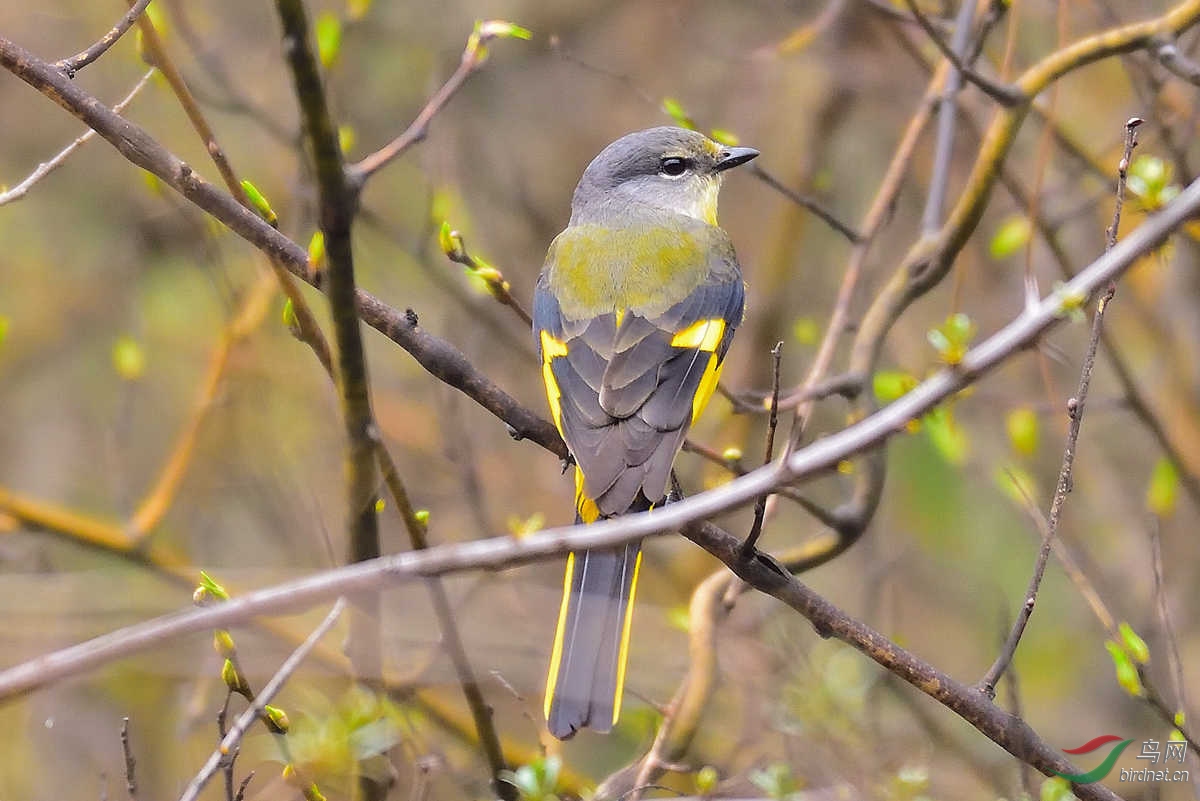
column 1101, row 770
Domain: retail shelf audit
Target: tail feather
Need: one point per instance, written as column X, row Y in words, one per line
column 591, row 643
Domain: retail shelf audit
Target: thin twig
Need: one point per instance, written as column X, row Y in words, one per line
column 1004, row 94
column 130, row 762
column 760, row 506
column 70, row 66
column 806, row 202
column 1075, row 407
column 455, row 248
column 473, row 57
column 241, row 790
column 244, row 721
column 1174, row 662
column 46, row 167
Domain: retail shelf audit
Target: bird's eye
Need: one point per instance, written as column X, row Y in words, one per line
column 673, row 166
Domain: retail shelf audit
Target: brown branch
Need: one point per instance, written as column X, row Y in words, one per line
column 72, row 65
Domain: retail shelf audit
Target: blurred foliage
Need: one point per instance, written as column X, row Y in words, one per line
column 107, row 277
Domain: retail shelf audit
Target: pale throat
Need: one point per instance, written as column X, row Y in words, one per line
column 702, row 204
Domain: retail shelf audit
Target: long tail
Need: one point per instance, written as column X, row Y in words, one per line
column 591, row 644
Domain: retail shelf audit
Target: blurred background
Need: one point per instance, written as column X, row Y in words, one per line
column 117, row 300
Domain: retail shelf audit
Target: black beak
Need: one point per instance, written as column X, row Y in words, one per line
column 733, row 156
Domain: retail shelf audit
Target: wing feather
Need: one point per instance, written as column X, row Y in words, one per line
column 629, row 384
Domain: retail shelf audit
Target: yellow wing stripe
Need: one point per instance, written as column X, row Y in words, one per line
column 708, row 383
column 589, row 512
column 623, row 654
column 552, row 348
column 559, row 634
column 704, row 335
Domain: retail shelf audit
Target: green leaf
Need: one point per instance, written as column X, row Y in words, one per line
column 1149, row 180
column 259, row 202
column 128, row 358
column 1162, row 492
column 1134, row 645
column 208, row 583
column 952, row 338
column 1056, row 789
column 3, row 328
column 947, row 436
column 675, row 111
column 1022, row 426
column 1011, row 237
column 329, row 37
column 1127, row 675
column 775, row 780
column 536, row 781
column 892, row 384
column 1071, row 302
column 706, row 780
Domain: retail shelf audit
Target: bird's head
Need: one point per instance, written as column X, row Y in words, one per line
column 667, row 169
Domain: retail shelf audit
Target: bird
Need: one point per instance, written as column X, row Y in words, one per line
column 633, row 313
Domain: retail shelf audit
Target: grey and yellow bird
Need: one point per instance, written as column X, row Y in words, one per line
column 633, row 314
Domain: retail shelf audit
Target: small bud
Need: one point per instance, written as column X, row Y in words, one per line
column 223, row 643
column 316, row 252
column 233, row 679
column 499, row 29
column 259, row 203
column 422, row 516
column 706, row 780
column 277, row 718
column 732, row 454
column 1134, row 645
